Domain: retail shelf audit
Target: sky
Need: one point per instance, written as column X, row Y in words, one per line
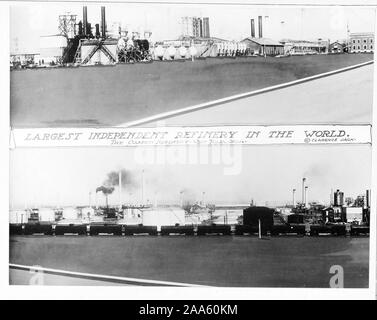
column 30, row 21
column 65, row 176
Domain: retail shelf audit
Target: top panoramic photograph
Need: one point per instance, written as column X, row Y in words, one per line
column 134, row 64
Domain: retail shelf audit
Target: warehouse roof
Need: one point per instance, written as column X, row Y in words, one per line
column 264, row 41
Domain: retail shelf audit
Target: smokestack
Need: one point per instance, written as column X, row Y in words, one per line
column 200, row 27
column 367, row 198
column 303, row 190
column 252, row 26
column 98, row 34
column 260, row 28
column 294, row 200
column 181, row 199
column 306, row 196
column 85, row 20
column 120, row 189
column 103, row 23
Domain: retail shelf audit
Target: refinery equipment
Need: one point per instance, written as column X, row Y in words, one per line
column 98, row 45
column 88, row 48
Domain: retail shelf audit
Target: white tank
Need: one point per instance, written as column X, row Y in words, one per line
column 46, row 214
column 182, row 51
column 193, row 51
column 159, row 51
column 70, row 213
column 163, row 217
column 18, row 216
column 171, row 51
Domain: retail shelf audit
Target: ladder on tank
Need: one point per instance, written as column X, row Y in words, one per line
column 77, row 58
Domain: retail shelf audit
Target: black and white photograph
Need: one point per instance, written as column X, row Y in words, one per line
column 225, row 216
column 192, row 145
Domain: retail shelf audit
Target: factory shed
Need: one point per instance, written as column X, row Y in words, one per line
column 264, row 46
column 337, row 47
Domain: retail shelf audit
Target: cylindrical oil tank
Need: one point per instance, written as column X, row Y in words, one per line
column 46, row 214
column 70, row 213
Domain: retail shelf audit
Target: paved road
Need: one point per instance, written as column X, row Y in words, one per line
column 344, row 98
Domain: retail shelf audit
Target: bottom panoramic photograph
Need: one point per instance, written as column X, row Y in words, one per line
column 228, row 216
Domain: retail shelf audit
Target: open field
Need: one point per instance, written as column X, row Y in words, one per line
column 106, row 96
column 212, row 260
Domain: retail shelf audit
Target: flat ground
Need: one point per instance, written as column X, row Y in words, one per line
column 212, row 260
column 107, row 96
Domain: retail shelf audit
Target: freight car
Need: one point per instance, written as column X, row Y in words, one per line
column 213, row 229
column 103, row 228
column 130, row 230
column 168, row 230
column 62, row 229
column 38, row 228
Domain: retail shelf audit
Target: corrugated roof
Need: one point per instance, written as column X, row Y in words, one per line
column 264, row 41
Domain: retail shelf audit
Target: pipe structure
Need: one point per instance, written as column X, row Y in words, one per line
column 303, row 190
column 260, row 27
column 120, row 189
column 252, row 27
column 103, row 23
column 85, row 20
column 293, row 200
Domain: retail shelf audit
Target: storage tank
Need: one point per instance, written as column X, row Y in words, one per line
column 159, row 52
column 46, row 214
column 70, row 213
column 182, row 52
column 17, row 216
column 171, row 51
column 163, row 217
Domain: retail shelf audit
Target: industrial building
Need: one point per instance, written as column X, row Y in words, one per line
column 361, row 42
column 195, row 27
column 303, row 47
column 264, row 46
column 20, row 60
column 261, row 46
column 338, row 47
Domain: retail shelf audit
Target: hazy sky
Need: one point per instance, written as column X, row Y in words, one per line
column 28, row 22
column 65, row 176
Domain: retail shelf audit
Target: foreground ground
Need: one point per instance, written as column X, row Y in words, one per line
column 212, row 260
column 107, row 96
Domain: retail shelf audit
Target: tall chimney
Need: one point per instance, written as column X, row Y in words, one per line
column 97, row 31
column 260, row 30
column 367, row 199
column 85, row 20
column 103, row 23
column 303, row 190
column 294, row 200
column 306, row 196
column 252, row 26
column 120, row 189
